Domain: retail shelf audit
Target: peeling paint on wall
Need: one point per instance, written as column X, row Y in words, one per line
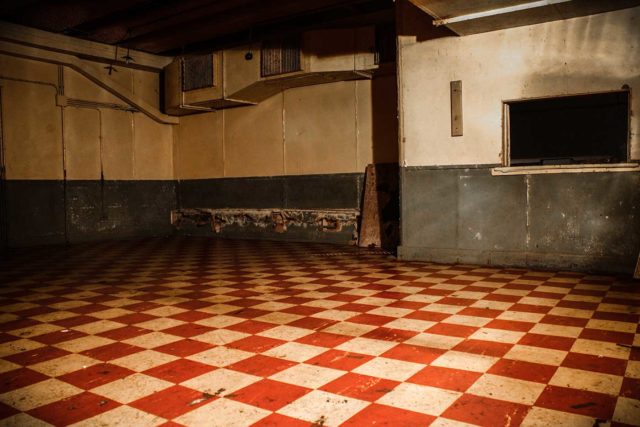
column 280, row 220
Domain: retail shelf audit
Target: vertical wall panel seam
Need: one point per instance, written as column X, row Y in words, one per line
column 527, row 180
column 355, row 112
column 284, row 138
column 224, row 143
column 64, row 177
column 133, row 147
column 4, row 221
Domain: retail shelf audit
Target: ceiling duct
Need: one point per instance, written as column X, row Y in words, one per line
column 236, row 77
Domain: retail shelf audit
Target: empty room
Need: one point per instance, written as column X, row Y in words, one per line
column 320, row 213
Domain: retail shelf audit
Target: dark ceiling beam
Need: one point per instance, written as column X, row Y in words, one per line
column 11, row 6
column 135, row 22
column 65, row 14
column 212, row 26
column 386, row 17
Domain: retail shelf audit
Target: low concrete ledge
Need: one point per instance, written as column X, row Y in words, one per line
column 520, row 259
column 277, row 220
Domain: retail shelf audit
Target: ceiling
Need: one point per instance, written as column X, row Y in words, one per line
column 465, row 17
column 170, row 27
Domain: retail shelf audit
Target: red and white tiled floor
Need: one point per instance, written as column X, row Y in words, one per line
column 235, row 333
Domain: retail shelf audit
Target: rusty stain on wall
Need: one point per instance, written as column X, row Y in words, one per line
column 279, row 220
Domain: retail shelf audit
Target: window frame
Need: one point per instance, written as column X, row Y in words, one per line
column 506, row 137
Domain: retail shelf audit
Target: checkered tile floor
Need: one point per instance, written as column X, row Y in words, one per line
column 234, row 333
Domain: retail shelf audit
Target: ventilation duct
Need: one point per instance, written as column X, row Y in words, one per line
column 233, row 77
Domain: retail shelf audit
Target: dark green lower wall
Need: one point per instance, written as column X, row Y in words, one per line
column 581, row 221
column 329, row 191
column 54, row 212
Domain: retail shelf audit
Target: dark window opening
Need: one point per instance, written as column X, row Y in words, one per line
column 385, row 44
column 569, row 130
column 280, row 56
column 197, row 72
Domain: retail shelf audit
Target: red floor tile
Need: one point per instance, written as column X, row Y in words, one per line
column 74, row 409
column 95, row 376
column 587, row 362
column 450, row 379
column 324, row 339
column 6, row 411
column 502, row 298
column 631, row 388
column 579, row 305
column 361, row 308
column 112, row 351
column 510, row 325
column 269, row 394
column 430, row 316
column 618, row 317
column 480, row 312
column 529, row 308
column 133, row 318
column 277, row 420
column 187, row 330
column 457, row 301
column 179, row 370
column 564, row 321
column 452, row 330
column 382, row 415
column 547, row 341
column 486, row 412
column 88, row 309
column 413, row 353
column 361, row 387
column 300, row 309
column 581, row 402
column 184, row 348
column 142, row 306
column 251, row 327
column 389, row 334
column 37, row 355
column 312, row 323
column 255, row 344
column 19, row 378
column 59, row 336
column 521, row 370
column 338, row 359
column 172, row 402
column 608, row 336
column 260, row 365
column 371, row 319
column 124, row 333
column 486, row 348
column 249, row 313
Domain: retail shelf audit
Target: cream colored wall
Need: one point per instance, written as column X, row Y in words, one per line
column 331, row 128
column 580, row 55
column 42, row 139
column 253, row 139
column 198, row 149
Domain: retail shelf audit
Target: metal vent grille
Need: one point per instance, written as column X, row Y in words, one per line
column 197, row 72
column 280, row 56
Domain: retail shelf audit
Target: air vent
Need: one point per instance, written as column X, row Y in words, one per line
column 280, row 56
column 197, row 72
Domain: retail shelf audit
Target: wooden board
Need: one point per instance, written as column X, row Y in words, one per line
column 456, row 108
column 370, row 233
